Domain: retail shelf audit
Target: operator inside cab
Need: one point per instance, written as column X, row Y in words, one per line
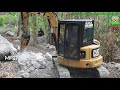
column 40, row 32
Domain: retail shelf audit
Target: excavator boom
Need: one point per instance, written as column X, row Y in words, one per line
column 53, row 23
column 25, row 30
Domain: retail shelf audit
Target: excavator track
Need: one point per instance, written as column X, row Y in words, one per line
column 67, row 72
column 61, row 71
column 99, row 72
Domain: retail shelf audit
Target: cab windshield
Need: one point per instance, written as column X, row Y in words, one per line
column 88, row 35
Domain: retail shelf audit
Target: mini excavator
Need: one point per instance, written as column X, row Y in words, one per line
column 77, row 50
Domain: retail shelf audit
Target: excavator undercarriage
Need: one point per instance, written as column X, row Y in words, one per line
column 77, row 51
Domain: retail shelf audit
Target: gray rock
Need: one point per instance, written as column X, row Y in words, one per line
column 17, row 47
column 16, row 77
column 41, row 73
column 52, row 47
column 35, row 74
column 48, row 56
column 17, row 41
column 9, row 33
column 31, row 69
column 46, row 73
column 47, row 46
column 36, row 65
column 117, row 65
column 53, row 53
column 25, row 75
column 19, row 73
column 42, row 66
column 119, row 69
column 6, row 48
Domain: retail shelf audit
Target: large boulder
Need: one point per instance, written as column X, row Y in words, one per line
column 6, row 48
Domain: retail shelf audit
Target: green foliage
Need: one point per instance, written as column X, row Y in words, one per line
column 1, row 21
column 40, row 23
column 9, row 19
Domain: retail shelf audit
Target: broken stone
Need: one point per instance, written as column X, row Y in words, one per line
column 25, row 75
column 48, row 56
column 16, row 77
column 52, row 47
column 19, row 73
column 35, row 74
column 17, row 41
column 47, row 46
column 36, row 64
column 31, row 69
column 117, row 65
column 9, row 33
column 42, row 66
column 17, row 47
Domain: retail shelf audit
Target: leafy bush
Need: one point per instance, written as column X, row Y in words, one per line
column 8, row 20
column 1, row 21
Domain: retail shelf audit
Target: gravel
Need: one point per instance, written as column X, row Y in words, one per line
column 113, row 68
column 35, row 65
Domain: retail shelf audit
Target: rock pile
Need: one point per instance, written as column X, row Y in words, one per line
column 113, row 68
column 35, row 65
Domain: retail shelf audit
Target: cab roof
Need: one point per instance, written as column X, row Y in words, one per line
column 75, row 20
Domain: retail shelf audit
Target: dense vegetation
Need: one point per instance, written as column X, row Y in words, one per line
column 109, row 41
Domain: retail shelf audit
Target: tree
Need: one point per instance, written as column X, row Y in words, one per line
column 34, row 27
column 17, row 32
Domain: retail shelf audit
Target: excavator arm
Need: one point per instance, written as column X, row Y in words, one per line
column 25, row 30
column 53, row 22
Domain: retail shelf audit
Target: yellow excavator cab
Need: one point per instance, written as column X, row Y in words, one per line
column 76, row 45
column 78, row 50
